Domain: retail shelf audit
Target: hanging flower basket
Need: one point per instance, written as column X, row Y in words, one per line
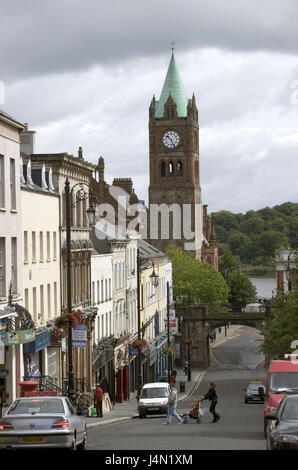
column 189, row 341
column 57, row 334
column 140, row 344
column 74, row 319
column 169, row 351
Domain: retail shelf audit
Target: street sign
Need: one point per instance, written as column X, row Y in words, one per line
column 63, row 344
column 79, row 336
column 19, row 337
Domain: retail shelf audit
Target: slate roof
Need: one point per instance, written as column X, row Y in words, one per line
column 173, row 86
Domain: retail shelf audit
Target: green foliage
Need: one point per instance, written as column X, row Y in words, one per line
column 228, row 266
column 256, row 235
column 282, row 329
column 203, row 281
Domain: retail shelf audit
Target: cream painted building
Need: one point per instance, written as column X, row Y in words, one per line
column 78, row 171
column 153, row 309
column 41, row 266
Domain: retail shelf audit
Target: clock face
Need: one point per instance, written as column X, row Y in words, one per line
column 171, row 139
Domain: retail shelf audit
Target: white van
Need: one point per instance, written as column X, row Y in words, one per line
column 254, row 308
column 154, row 399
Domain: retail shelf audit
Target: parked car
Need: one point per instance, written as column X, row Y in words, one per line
column 42, row 422
column 255, row 391
column 282, row 380
column 154, row 399
column 282, row 430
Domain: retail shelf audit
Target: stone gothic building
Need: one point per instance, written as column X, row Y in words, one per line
column 175, row 173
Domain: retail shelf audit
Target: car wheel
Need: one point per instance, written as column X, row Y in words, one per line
column 73, row 444
column 268, row 442
column 141, row 416
column 83, row 445
column 265, row 428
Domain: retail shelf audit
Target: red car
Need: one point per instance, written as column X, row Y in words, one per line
column 282, row 380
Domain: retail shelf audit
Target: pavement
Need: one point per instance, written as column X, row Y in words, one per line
column 128, row 410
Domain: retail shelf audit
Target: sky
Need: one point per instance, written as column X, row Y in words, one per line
column 84, row 73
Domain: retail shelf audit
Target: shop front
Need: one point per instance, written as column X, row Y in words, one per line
column 36, row 357
column 103, row 369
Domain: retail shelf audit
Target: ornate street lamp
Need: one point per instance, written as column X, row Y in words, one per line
column 82, row 195
column 154, row 277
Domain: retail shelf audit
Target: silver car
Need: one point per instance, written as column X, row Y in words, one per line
column 42, row 422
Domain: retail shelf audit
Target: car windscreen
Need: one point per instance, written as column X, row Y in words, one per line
column 37, row 405
column 154, row 392
column 254, row 387
column 290, row 410
column 283, row 382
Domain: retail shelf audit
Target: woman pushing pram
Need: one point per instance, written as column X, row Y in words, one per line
column 195, row 413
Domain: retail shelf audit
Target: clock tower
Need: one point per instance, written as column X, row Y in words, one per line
column 176, row 214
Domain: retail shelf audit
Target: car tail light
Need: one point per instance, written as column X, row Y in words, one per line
column 60, row 424
column 5, row 426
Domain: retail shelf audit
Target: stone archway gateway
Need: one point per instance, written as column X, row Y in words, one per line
column 195, row 324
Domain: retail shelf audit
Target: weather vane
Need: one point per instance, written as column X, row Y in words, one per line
column 172, row 46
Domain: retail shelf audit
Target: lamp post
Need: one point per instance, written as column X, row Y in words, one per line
column 82, row 195
column 189, row 345
column 179, row 299
column 154, row 279
column 168, row 328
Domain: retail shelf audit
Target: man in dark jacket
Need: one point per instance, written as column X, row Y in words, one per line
column 211, row 395
column 98, row 400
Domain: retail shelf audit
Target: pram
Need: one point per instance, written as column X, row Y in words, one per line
column 196, row 413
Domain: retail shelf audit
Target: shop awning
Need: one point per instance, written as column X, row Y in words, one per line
column 41, row 341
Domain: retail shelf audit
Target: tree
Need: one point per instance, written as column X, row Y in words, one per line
column 268, row 242
column 247, row 291
column 282, row 329
column 203, row 281
column 227, row 262
column 228, row 266
column 252, row 226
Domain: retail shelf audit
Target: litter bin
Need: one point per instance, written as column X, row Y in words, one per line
column 182, row 387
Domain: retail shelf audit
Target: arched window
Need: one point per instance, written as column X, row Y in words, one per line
column 197, row 171
column 179, row 169
column 171, row 169
column 163, row 169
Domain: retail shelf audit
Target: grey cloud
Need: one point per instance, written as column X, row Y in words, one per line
column 67, row 35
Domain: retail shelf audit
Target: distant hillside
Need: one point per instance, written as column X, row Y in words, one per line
column 256, row 235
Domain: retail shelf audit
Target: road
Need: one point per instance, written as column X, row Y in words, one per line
column 242, row 351
column 240, row 427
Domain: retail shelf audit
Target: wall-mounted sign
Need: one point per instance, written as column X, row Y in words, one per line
column 19, row 337
column 79, row 336
column 63, row 344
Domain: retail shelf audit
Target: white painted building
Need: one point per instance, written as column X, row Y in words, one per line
column 10, row 248
column 102, row 294
column 41, row 265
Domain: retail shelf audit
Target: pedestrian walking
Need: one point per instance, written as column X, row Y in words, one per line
column 212, row 396
column 172, row 404
column 98, row 400
column 172, row 379
column 185, row 368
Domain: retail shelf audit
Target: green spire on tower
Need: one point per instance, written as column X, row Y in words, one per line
column 173, row 86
